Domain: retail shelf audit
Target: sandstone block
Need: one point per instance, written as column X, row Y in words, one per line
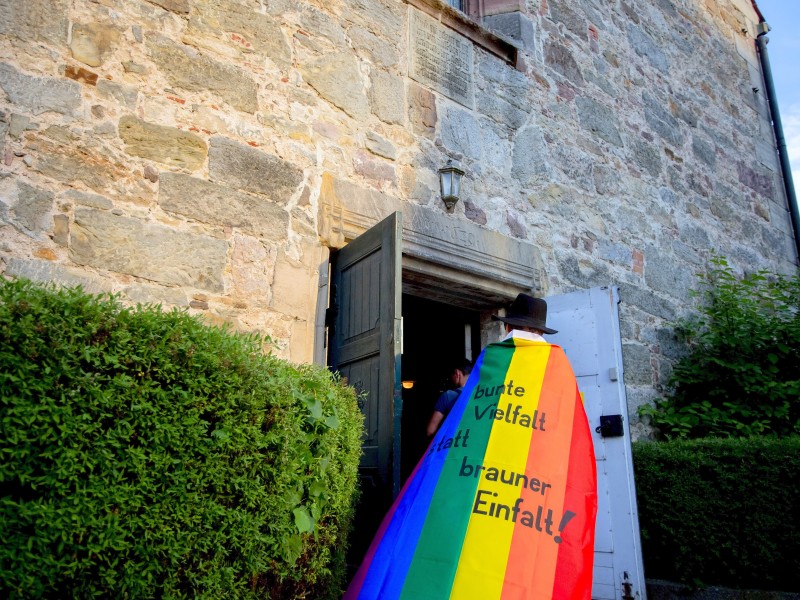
column 529, row 158
column 195, row 72
column 422, row 110
column 33, row 208
column 293, row 290
column 387, row 97
column 647, row 48
column 218, row 205
column 124, row 95
column 152, row 294
column 664, row 273
column 91, row 42
column 376, row 50
column 180, row 7
column 338, row 80
column 598, row 119
column 45, row 271
column 319, row 24
column 61, row 230
column 40, row 94
column 760, row 181
column 35, row 20
column 380, row 146
column 162, row 144
column 560, row 59
column 252, row 31
column 154, row 252
column 636, row 363
column 80, row 75
column 252, row 170
column 88, row 199
column 460, row 133
column 661, row 120
column 647, row 157
column 251, row 269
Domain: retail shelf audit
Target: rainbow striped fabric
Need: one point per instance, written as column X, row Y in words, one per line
column 503, row 503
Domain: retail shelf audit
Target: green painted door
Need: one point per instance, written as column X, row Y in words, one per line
column 364, row 345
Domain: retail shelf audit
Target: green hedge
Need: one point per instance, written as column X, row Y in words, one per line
column 721, row 511
column 143, row 454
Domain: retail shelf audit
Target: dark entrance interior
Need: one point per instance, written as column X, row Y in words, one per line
column 436, row 336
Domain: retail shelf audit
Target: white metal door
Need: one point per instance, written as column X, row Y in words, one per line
column 588, row 329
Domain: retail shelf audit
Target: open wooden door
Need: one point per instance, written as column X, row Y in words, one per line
column 364, row 345
column 588, row 329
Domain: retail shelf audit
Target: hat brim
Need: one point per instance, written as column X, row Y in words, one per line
column 525, row 322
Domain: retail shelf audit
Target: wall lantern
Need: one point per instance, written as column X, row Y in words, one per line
column 450, row 182
column 407, row 384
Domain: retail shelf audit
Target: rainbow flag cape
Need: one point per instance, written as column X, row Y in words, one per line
column 503, row 503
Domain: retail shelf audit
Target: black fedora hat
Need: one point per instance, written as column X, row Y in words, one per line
column 527, row 311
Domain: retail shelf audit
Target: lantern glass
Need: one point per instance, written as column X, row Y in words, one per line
column 450, row 182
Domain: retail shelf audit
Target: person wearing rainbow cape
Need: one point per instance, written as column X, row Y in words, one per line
column 503, row 503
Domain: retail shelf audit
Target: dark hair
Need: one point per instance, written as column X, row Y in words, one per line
column 464, row 366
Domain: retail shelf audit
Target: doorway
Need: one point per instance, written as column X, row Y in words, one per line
column 436, row 337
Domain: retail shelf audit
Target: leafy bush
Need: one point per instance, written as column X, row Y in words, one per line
column 741, row 376
column 145, row 454
column 721, row 511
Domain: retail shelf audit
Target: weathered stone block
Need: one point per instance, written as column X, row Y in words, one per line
column 166, row 145
column 195, row 72
column 647, row 48
column 180, row 7
column 515, row 26
column 252, row 31
column 661, row 120
column 320, row 25
column 154, row 252
column 376, row 50
column 245, row 168
column 664, row 273
column 422, row 110
column 761, row 182
column 68, row 161
column 380, row 146
column 33, row 208
column 46, row 271
column 560, row 59
column 460, row 133
column 35, row 20
column 529, row 159
column 61, row 230
column 217, row 205
column 338, row 80
column 88, row 199
column 124, row 95
column 252, row 266
column 80, row 75
column 636, row 364
column 40, row 94
column 152, row 294
column 646, row 157
column 599, row 119
column 293, row 292
column 563, row 12
column 387, row 97
column 91, row 42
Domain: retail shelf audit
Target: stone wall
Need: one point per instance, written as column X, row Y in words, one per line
column 174, row 151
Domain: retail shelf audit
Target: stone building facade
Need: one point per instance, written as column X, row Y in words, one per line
column 210, row 154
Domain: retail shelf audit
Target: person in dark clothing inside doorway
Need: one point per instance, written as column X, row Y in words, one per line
column 458, row 377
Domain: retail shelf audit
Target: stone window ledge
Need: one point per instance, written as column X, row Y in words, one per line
column 473, row 31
